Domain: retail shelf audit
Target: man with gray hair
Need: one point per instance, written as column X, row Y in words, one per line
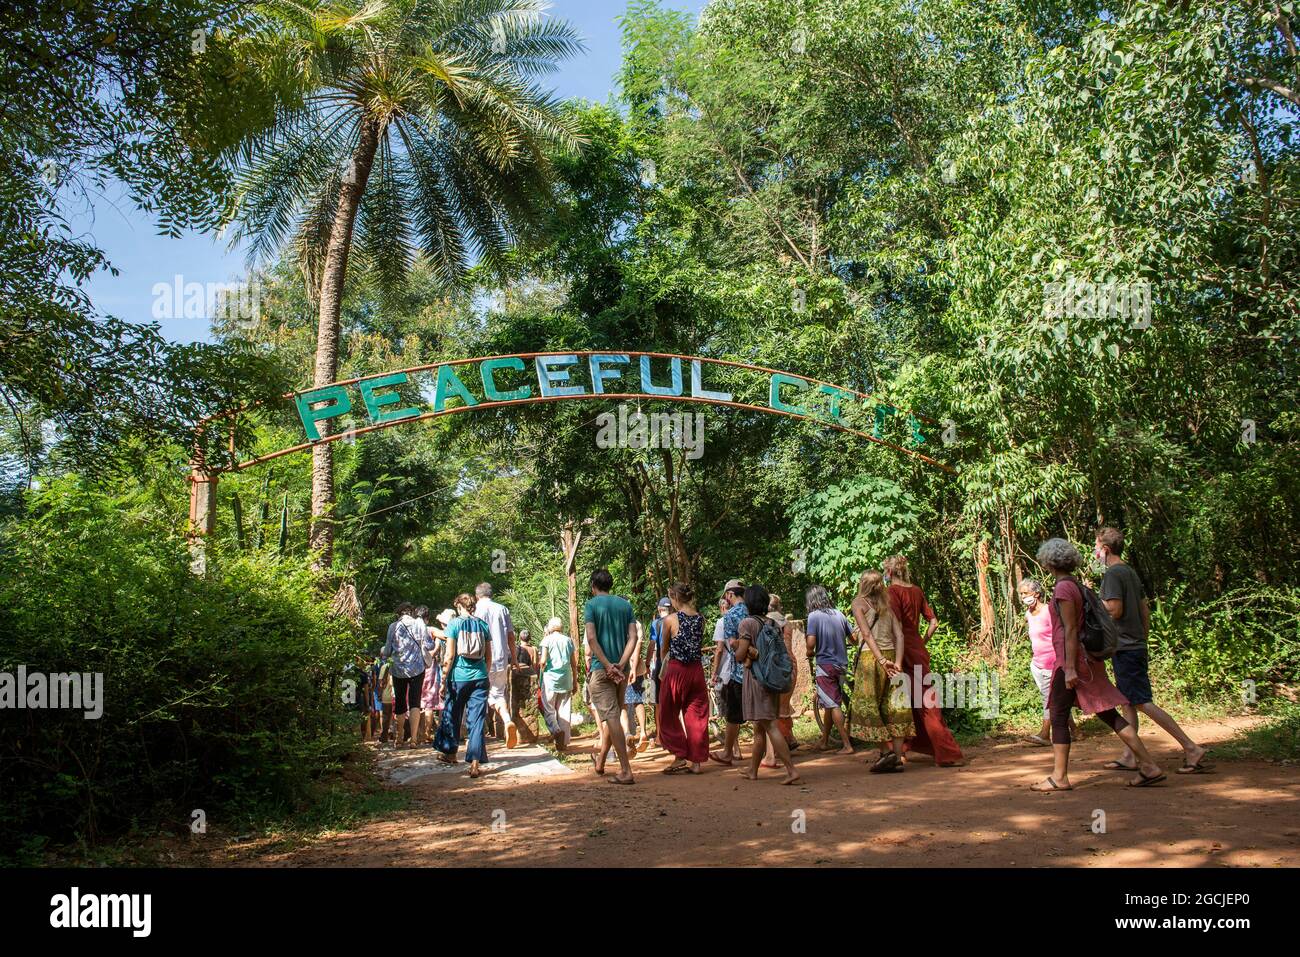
column 502, row 658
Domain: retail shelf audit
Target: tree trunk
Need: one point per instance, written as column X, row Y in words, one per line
column 986, row 601
column 327, row 337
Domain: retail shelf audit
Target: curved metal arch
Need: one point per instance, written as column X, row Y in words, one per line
column 199, row 470
column 537, row 400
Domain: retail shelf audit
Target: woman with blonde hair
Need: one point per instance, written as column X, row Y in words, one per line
column 558, row 664
column 881, row 705
column 909, row 605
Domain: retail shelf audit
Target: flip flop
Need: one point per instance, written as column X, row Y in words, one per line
column 1037, row 741
column 676, row 769
column 1054, row 787
column 594, row 766
column 1200, row 767
column 1146, row 782
column 617, row 780
column 720, row 761
column 1116, row 766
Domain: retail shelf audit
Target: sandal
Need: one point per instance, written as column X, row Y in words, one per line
column 1051, row 786
column 713, row 757
column 1200, row 767
column 1116, row 766
column 886, row 762
column 1146, row 782
column 595, row 766
column 677, row 768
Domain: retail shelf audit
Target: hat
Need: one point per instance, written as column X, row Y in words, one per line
column 665, row 603
column 734, row 585
column 445, row 616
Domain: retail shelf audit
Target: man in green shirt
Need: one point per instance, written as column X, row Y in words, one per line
column 611, row 636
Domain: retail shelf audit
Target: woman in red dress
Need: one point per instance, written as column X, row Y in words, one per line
column 907, row 602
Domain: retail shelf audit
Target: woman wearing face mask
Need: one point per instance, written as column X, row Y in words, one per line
column 1043, row 657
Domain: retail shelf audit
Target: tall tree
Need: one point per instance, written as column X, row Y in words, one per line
column 405, row 127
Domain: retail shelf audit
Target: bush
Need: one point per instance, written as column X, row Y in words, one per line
column 220, row 693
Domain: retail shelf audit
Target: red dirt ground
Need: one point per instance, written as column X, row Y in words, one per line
column 1246, row 814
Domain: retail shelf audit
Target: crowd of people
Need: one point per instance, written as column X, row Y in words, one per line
column 437, row 682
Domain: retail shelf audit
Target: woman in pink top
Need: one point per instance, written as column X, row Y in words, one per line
column 1043, row 656
column 1077, row 680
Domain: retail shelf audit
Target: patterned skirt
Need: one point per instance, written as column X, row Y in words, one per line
column 880, row 709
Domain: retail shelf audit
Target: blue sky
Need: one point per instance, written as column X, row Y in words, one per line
column 144, row 258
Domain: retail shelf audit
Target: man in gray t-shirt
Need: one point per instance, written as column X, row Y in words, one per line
column 1125, row 599
column 1121, row 583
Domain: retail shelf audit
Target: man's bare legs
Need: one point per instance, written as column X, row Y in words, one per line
column 846, row 743
column 1193, row 752
column 730, row 746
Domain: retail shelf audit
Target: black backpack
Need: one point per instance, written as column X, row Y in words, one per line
column 1098, row 632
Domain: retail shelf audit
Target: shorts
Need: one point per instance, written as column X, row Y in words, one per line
column 498, row 682
column 829, row 692
column 406, row 692
column 1042, row 678
column 1131, row 677
column 635, row 693
column 606, row 694
column 733, row 702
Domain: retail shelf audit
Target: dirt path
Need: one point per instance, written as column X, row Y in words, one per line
column 1246, row 813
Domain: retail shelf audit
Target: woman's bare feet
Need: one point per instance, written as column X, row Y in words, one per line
column 474, row 769
column 749, row 774
column 847, row 749
column 792, row 777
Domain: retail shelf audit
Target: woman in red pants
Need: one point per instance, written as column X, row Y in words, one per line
column 683, row 717
column 907, row 602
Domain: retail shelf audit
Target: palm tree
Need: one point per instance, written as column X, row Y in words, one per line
column 402, row 127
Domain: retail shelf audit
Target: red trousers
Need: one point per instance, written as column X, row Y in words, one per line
column 684, row 700
column 932, row 735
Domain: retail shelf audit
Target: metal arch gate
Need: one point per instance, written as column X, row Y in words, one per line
column 552, row 372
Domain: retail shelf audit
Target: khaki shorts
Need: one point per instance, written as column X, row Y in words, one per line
column 606, row 694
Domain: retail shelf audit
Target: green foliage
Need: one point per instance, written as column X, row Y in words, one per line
column 220, row 692
column 848, row 528
column 91, row 94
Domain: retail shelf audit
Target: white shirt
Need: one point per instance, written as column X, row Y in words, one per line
column 497, row 617
column 724, row 668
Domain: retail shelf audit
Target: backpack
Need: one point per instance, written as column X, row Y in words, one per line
column 773, row 668
column 469, row 640
column 1098, row 632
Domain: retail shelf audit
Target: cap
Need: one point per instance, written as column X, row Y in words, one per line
column 665, row 603
column 734, row 585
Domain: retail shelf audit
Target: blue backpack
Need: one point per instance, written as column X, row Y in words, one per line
column 773, row 668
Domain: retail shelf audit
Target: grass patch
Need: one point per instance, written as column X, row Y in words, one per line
column 1277, row 739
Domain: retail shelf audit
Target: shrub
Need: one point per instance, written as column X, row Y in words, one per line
column 220, row 692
